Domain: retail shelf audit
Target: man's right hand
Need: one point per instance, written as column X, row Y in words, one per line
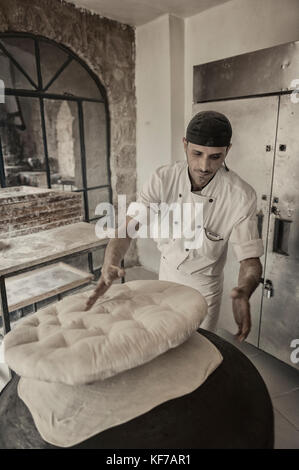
column 108, row 275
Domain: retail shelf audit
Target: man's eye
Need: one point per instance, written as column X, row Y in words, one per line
column 215, row 157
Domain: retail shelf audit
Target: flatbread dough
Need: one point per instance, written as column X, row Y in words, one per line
column 130, row 325
column 66, row 415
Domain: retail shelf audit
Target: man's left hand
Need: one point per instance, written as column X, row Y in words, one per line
column 241, row 311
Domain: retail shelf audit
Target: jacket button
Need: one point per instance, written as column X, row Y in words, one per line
column 187, row 249
column 210, row 200
column 180, row 195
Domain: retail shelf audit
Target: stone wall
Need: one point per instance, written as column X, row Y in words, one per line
column 108, row 48
column 26, row 210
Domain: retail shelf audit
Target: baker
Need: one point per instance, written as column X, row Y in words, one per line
column 229, row 215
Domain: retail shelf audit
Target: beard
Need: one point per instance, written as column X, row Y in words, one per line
column 199, row 181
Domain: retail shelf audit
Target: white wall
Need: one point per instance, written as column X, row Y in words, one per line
column 153, row 94
column 160, row 93
column 160, row 105
column 177, row 68
column 153, row 97
column 166, row 51
column 236, row 27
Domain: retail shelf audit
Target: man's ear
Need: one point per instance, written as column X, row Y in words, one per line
column 185, row 142
column 228, row 148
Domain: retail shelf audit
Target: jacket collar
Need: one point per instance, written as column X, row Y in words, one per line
column 213, row 187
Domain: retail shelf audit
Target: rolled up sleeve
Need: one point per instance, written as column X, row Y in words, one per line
column 244, row 235
column 148, row 199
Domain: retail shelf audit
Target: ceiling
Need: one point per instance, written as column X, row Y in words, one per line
column 138, row 12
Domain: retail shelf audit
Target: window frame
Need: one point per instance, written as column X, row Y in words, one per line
column 40, row 92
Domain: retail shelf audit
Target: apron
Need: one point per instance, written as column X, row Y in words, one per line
column 210, row 289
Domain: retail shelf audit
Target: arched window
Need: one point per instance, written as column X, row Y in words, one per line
column 54, row 122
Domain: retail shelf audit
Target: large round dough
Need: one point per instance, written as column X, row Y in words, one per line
column 128, row 326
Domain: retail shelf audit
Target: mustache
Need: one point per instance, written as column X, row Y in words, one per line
column 203, row 174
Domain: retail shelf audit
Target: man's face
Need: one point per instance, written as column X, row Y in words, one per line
column 203, row 162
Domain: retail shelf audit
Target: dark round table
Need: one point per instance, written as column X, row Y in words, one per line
column 231, row 410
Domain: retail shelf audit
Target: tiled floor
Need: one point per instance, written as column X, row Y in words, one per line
column 282, row 380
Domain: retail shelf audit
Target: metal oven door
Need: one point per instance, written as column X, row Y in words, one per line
column 280, row 304
column 254, row 122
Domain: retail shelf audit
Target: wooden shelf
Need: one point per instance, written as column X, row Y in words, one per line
column 34, row 286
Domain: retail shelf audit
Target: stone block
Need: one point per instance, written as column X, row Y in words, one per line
column 126, row 157
column 25, row 210
column 126, row 183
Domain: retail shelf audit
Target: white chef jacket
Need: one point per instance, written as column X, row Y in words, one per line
column 229, row 212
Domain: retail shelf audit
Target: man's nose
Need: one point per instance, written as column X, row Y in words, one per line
column 204, row 167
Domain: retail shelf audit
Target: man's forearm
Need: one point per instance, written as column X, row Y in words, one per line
column 116, row 250
column 250, row 275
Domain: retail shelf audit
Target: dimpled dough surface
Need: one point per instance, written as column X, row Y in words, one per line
column 128, row 326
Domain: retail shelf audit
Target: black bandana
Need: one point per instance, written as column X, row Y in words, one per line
column 210, row 129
